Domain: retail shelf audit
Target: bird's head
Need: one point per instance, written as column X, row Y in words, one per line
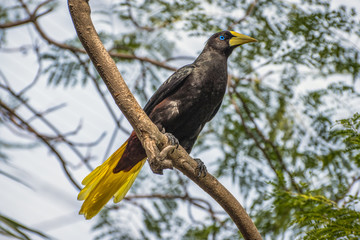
column 227, row 41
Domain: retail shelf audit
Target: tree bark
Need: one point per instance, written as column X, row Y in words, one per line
column 154, row 142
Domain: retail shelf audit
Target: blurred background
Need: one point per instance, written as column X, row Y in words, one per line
column 285, row 142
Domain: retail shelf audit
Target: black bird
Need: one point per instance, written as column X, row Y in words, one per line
column 181, row 106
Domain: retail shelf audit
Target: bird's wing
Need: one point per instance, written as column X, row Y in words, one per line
column 168, row 87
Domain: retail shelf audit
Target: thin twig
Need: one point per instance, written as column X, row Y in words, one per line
column 44, row 140
column 38, row 72
column 78, row 50
column 102, row 95
column 136, row 24
column 247, row 14
column 252, row 136
column 31, row 17
column 58, row 134
column 262, row 137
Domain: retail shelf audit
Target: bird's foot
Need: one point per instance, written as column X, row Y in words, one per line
column 159, row 162
column 172, row 140
column 201, row 168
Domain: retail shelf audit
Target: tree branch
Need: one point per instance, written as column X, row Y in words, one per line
column 150, row 136
column 265, row 140
column 33, row 19
column 247, row 14
column 23, row 122
column 206, row 206
column 39, row 116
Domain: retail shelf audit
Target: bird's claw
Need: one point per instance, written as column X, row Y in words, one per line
column 201, row 168
column 160, row 161
column 172, row 140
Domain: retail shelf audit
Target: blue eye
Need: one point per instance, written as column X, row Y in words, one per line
column 222, row 37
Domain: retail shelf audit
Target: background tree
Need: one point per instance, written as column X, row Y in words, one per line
column 275, row 141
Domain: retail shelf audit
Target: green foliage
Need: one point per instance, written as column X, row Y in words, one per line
column 64, row 68
column 203, row 232
column 350, row 132
column 333, row 217
column 322, row 218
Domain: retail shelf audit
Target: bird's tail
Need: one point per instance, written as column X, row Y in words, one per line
column 101, row 184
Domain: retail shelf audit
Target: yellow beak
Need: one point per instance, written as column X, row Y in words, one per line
column 239, row 39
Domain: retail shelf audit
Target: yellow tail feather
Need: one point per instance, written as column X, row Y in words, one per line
column 101, row 184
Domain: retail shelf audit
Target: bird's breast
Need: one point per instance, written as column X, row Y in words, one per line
column 209, row 83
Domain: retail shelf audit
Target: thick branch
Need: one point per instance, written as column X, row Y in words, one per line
column 147, row 132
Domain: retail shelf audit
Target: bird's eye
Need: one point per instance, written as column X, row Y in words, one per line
column 222, row 37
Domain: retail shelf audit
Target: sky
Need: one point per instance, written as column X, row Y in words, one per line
column 50, row 204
